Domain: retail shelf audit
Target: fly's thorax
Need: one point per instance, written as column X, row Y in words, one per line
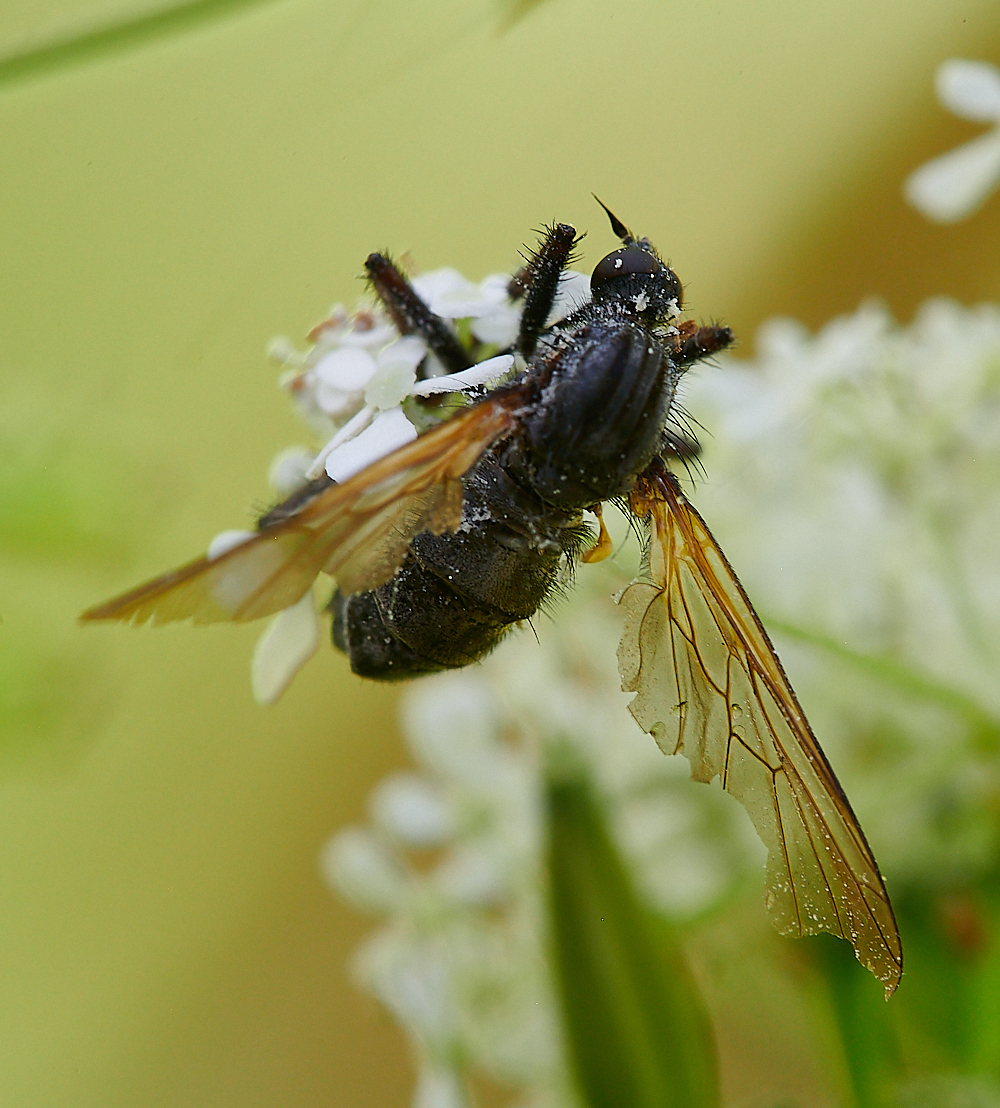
column 606, row 386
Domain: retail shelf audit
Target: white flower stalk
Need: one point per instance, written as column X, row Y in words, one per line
column 350, row 386
column 956, row 184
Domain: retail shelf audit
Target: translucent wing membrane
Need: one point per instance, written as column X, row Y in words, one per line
column 358, row 532
column 709, row 685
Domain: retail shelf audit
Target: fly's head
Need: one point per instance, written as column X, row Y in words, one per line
column 635, row 280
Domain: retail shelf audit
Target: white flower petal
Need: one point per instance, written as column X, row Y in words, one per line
column 390, row 386
column 359, row 865
column 349, row 369
column 412, row 810
column 451, row 295
column 413, row 977
column 224, row 541
column 282, row 350
column 470, row 876
column 334, row 401
column 953, row 186
column 466, row 307
column 284, row 648
column 498, row 327
column 288, row 469
column 350, row 430
column 389, row 431
column 479, row 374
column 439, row 1088
column 452, row 727
column 494, row 288
column 970, row 89
column 409, row 350
column 368, row 338
column 573, row 291
column 443, row 286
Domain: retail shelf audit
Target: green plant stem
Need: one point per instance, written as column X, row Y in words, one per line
column 635, row 1027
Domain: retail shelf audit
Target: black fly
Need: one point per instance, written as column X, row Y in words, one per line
column 598, row 389
column 440, row 546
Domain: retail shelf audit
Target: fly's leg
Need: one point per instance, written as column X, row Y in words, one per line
column 412, row 316
column 692, row 343
column 538, row 281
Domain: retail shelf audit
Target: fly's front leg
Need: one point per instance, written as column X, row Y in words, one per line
column 693, row 342
column 690, row 344
column 538, row 282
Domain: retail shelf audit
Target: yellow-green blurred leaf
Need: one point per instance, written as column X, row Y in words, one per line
column 69, row 504
column 121, row 32
column 515, row 10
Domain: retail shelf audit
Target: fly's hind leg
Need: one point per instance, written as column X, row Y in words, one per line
column 412, row 316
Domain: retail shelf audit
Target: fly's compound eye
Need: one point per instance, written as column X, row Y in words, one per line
column 632, row 262
column 626, row 262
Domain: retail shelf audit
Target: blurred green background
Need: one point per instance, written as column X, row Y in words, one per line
column 165, row 210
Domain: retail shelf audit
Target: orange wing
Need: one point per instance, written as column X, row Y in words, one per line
column 358, row 532
column 709, row 685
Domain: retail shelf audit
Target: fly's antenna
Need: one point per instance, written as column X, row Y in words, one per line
column 617, row 226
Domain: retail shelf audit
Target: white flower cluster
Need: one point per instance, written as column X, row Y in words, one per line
column 349, row 386
column 461, row 960
column 854, row 480
column 955, row 184
column 855, row 485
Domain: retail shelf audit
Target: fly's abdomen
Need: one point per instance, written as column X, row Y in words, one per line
column 457, row 594
column 416, row 623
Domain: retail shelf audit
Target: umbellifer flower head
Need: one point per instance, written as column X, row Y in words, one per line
column 854, row 476
column 855, row 483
